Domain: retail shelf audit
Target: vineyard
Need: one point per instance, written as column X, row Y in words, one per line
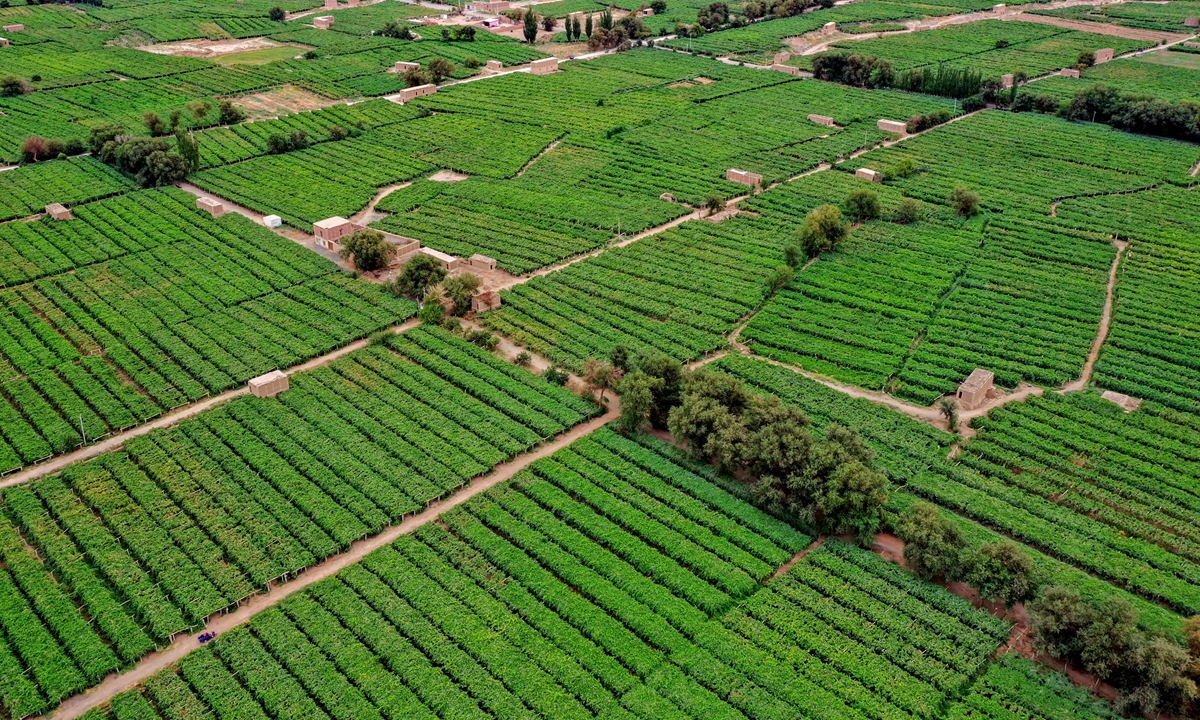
column 511, row 607
column 99, row 345
column 139, row 538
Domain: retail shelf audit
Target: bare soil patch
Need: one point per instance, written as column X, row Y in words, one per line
column 210, row 48
column 281, row 101
column 448, row 176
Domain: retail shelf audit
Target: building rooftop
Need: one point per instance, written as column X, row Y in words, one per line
column 978, row 379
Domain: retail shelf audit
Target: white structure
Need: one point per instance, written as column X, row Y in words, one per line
column 545, row 66
column 892, row 126
column 1006, row 80
column 272, row 221
column 211, row 206
column 4, row 42
column 868, row 174
column 998, row 8
column 269, row 385
column 829, row 28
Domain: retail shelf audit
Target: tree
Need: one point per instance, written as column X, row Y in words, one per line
column 337, row 132
column 414, row 77
column 606, row 19
column 714, row 202
column 555, row 376
column 839, row 490
column 780, row 278
column 523, row 359
column 431, row 313
column 175, row 116
column 1001, row 571
column 420, row 273
column 188, row 149
column 620, row 358
column 98, row 135
column 576, row 31
column 1086, row 59
column 154, row 123
column 276, row 14
column 948, row 407
column 471, row 62
column 965, row 202
column 908, row 211
column 588, row 29
column 1057, row 616
column 822, row 229
column 637, row 399
column 310, row 55
column 531, row 27
column 277, row 143
column 862, row 204
column 933, row 545
column 599, row 376
column 667, row 395
column 1104, row 635
column 163, row 167
column 230, row 114
column 34, row 149
column 460, row 289
column 199, row 109
column 394, row 29
column 11, row 85
column 1153, row 678
column 548, row 23
column 658, row 6
column 369, row 248
column 440, row 68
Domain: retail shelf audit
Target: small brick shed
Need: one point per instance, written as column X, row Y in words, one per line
column 211, row 206
column 973, row 392
column 1103, row 55
column 403, row 67
column 892, row 126
column 14, row 28
column 447, row 261
column 788, row 69
column 323, row 23
column 412, row 93
column 821, row 120
column 485, row 300
column 330, row 230
column 482, row 262
column 869, row 174
column 744, row 177
column 495, row 65
column 1069, row 72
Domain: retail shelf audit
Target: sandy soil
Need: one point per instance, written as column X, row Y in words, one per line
column 447, row 176
column 210, row 48
column 281, row 101
column 1105, row 320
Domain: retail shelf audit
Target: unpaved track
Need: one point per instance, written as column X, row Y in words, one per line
column 1105, row 321
column 153, row 663
column 177, row 416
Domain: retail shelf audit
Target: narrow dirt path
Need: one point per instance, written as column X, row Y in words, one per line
column 368, row 215
column 153, row 663
column 177, row 416
column 553, row 144
column 1105, row 321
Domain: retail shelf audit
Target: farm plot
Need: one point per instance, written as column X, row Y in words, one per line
column 677, row 293
column 1167, row 17
column 1137, row 75
column 992, row 47
column 302, row 187
column 914, row 454
column 105, row 346
column 512, row 606
column 30, row 189
column 179, row 524
column 1019, row 161
column 1151, row 349
column 1015, row 686
column 523, row 224
column 471, row 145
column 221, row 146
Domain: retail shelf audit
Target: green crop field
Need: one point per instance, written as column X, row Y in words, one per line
column 665, row 419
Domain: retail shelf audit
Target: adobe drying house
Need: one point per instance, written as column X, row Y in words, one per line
column 211, row 206
column 821, row 120
column 403, row 67
column 323, row 22
column 1103, row 55
column 482, row 262
column 485, row 300
column 269, row 385
column 412, row 93
column 14, row 28
column 495, row 65
column 777, row 67
column 869, row 174
column 892, row 126
column 545, row 66
column 58, row 211
column 976, row 389
column 744, row 177
column 446, row 260
column 1069, row 72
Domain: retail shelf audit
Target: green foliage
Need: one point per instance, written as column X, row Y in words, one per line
column 823, row 228
column 965, row 202
column 862, row 205
column 933, row 545
column 459, row 290
column 420, row 273
column 369, row 248
column 908, row 211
